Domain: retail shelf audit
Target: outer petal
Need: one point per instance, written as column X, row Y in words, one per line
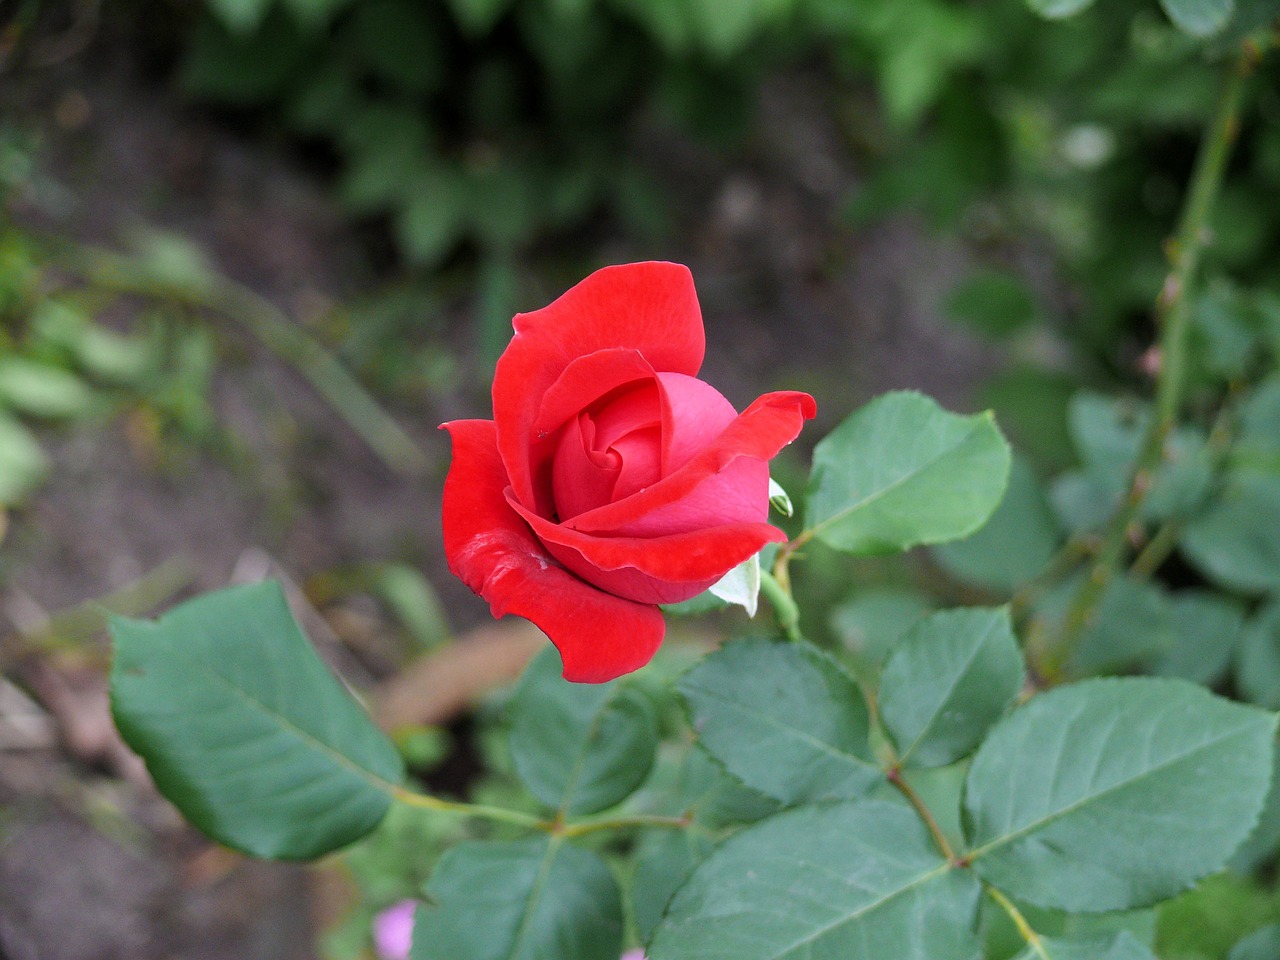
column 649, row 307
column 600, row 636
column 658, row 569
column 759, row 432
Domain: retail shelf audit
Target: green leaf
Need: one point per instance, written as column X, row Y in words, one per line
column 580, row 747
column 245, row 730
column 534, row 899
column 1122, row 946
column 948, row 680
column 852, row 881
column 696, row 786
column 1200, row 18
column 996, row 303
column 433, row 216
column 664, row 862
column 1108, row 433
column 1059, row 9
column 1069, row 796
column 902, row 471
column 1206, row 631
column 1262, row 944
column 400, row 43
column 872, row 622
column 242, row 16
column 1234, row 542
column 244, row 67
column 1258, row 666
column 23, row 465
column 101, row 352
column 41, row 390
column 1015, row 545
column 1133, row 625
column 784, row 719
column 1263, row 842
column 478, row 17
column 1204, row 923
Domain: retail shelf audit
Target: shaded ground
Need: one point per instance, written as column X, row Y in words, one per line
column 95, row 866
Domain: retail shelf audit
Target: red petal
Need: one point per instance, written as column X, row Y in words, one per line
column 648, row 307
column 600, row 636
column 652, row 570
column 764, row 428
column 694, row 413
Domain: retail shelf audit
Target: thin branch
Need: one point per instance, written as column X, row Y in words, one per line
column 894, row 775
column 1173, row 311
column 1032, row 938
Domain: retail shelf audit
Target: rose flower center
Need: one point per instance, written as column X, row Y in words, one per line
column 609, row 451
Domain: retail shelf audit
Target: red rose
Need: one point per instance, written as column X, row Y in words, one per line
column 610, row 479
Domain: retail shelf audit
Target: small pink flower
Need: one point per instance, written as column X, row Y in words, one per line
column 393, row 930
column 633, row 955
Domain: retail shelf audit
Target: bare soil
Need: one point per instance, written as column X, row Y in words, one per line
column 94, row 866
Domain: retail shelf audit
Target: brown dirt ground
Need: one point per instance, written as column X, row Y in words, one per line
column 93, row 866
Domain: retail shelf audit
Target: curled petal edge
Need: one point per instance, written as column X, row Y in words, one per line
column 489, row 547
column 760, row 431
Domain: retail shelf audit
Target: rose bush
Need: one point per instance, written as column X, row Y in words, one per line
column 610, row 479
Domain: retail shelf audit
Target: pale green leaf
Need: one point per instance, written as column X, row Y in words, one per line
column 851, row 881
column 1234, row 541
column 23, row 464
column 902, row 471
column 1200, row 18
column 1122, row 946
column 534, row 899
column 947, row 681
column 1069, row 796
column 1015, row 545
column 245, row 730
column 785, row 719
column 580, row 747
column 1059, row 9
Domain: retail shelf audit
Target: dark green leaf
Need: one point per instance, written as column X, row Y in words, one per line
column 478, row 17
column 1012, row 547
column 853, row 881
column 535, row 899
column 242, row 16
column 948, row 680
column 1069, row 796
column 902, row 471
column 399, row 42
column 580, row 747
column 244, row 68
column 785, row 719
column 994, row 302
column 245, row 730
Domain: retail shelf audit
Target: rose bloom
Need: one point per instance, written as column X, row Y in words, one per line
column 610, row 479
